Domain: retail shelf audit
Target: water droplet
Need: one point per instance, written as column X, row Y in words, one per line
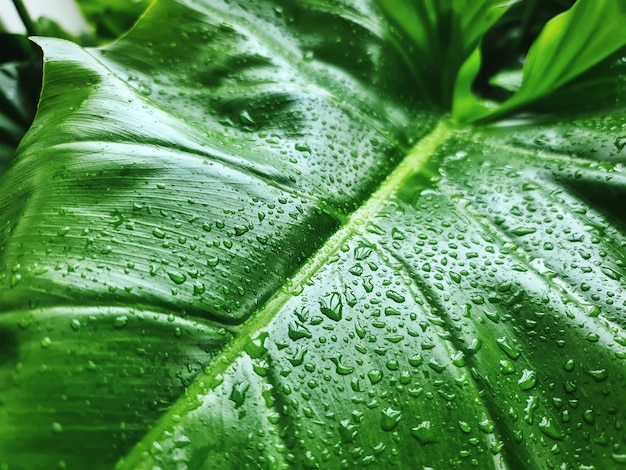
column 177, row 277
column 362, row 252
column 349, row 295
column 333, row 307
column 506, row 367
column 508, row 348
column 395, row 296
column 521, row 231
column 496, row 448
column 531, row 405
column 310, row 461
column 592, row 310
column 298, row 357
column 303, row 148
column 397, row 234
column 120, row 322
column 245, row 117
column 347, row 431
column 394, row 339
column 15, row 279
column 155, row 448
column 238, row 393
column 547, row 428
column 589, row 416
column 424, row 433
column 240, row 230
column 599, row 375
column 375, row 229
column 390, row 419
column 340, row 368
column 465, row 427
column 619, row 458
column 46, row 342
column 569, row 386
column 356, row 270
column 255, row 345
column 298, row 331
column 436, row 366
column 57, row 428
column 620, row 143
column 198, row 288
column 528, row 379
column 375, row 376
column 474, row 345
column 458, row 359
column 367, row 284
column 416, row 360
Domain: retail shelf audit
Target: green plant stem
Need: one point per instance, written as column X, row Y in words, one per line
column 31, row 29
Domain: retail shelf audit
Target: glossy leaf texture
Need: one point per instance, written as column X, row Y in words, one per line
column 239, row 238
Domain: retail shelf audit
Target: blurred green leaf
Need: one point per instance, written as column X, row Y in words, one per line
column 20, row 82
column 112, row 18
column 569, row 45
column 442, row 34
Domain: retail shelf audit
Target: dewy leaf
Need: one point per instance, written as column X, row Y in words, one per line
column 239, row 238
column 570, row 44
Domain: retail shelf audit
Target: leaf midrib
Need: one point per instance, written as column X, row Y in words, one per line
column 414, row 161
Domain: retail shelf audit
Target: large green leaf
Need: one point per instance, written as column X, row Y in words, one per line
column 239, row 237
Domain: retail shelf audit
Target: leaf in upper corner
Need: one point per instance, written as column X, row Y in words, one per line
column 441, row 35
column 112, row 18
column 20, row 82
column 238, row 237
column 569, row 45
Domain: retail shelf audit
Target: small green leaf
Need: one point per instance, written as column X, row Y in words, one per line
column 569, row 45
column 442, row 34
